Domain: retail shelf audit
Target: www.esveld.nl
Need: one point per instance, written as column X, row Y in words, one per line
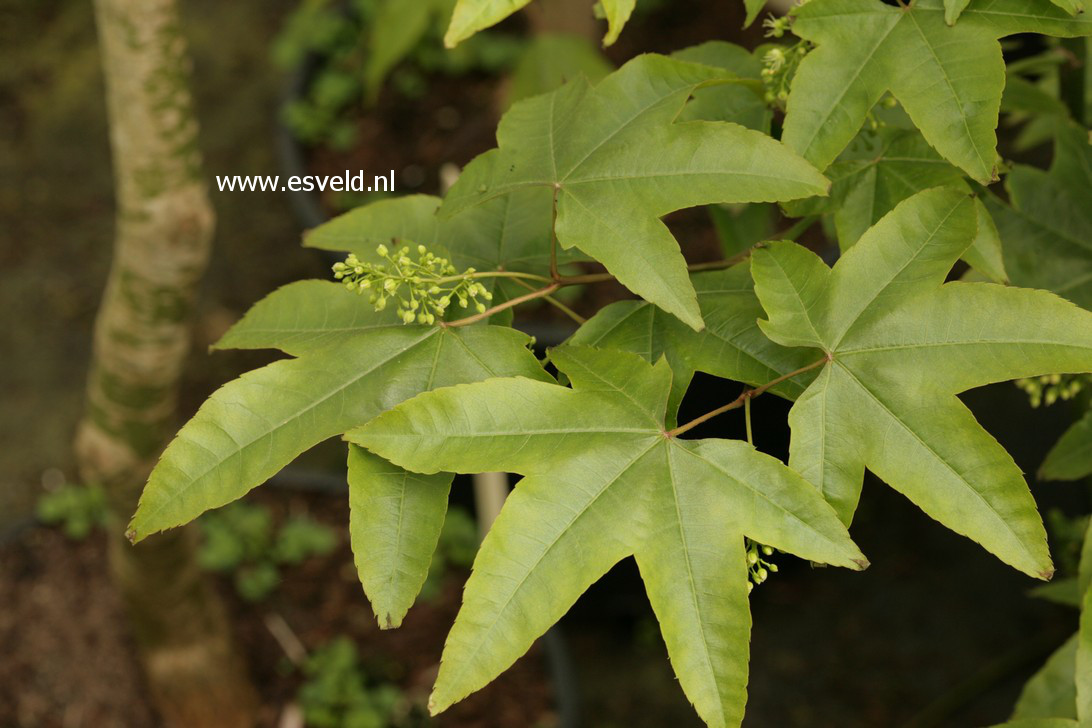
column 347, row 182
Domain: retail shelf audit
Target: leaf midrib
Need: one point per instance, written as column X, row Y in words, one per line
column 909, row 430
column 193, row 480
column 483, row 639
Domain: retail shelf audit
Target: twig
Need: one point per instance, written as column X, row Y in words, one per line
column 511, row 303
column 580, row 320
column 745, row 397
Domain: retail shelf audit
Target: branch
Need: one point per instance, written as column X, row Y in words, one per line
column 512, row 303
column 745, row 398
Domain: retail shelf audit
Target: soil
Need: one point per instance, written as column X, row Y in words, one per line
column 68, row 660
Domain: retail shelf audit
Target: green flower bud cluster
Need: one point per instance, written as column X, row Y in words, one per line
column 423, row 289
column 780, row 64
column 1050, row 388
column 758, row 568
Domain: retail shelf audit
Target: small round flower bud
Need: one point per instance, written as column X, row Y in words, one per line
column 408, row 317
column 480, row 307
column 382, row 250
column 421, row 249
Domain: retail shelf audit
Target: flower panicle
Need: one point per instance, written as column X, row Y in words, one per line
column 423, row 286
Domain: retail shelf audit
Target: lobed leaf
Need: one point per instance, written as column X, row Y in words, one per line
column 252, row 427
column 901, row 344
column 616, row 162
column 951, row 88
column 603, row 480
column 395, row 519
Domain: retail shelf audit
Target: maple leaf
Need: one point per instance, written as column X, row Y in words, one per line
column 948, row 78
column 470, row 16
column 351, row 364
column 1046, row 230
column 603, row 481
column 730, row 346
column 882, row 168
column 616, row 161
column 901, row 344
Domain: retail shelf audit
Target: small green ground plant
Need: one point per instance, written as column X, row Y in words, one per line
column 877, row 122
column 336, row 693
column 76, row 509
column 242, row 540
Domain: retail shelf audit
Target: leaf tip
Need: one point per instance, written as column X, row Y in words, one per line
column 435, row 707
column 387, row 621
column 131, row 535
column 1047, row 574
column 862, row 563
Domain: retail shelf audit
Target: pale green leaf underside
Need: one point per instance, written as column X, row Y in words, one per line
column 509, row 233
column 731, row 345
column 1071, row 456
column 903, row 344
column 753, row 7
column 883, row 168
column 395, row 519
column 470, row 16
column 618, row 12
column 1051, row 692
column 1084, row 662
column 602, row 483
column 740, row 103
column 252, row 427
column 617, row 162
column 1047, row 230
column 949, row 78
column 305, row 316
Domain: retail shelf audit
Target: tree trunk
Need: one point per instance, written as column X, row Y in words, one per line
column 164, row 231
column 564, row 16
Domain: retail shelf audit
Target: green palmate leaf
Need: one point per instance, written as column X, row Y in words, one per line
column 617, row 13
column 1046, row 231
column 395, row 31
column 1084, row 576
column 470, row 16
column 252, row 427
column 1084, row 662
column 305, row 316
column 1071, row 456
column 395, row 519
column 730, row 346
column 739, row 103
column 753, row 7
column 883, row 168
column 604, row 481
column 616, row 163
column 952, row 89
column 550, row 60
column 509, row 233
column 1052, row 691
column 901, row 346
column 953, row 9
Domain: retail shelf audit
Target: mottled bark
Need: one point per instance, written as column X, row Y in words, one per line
column 142, row 335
